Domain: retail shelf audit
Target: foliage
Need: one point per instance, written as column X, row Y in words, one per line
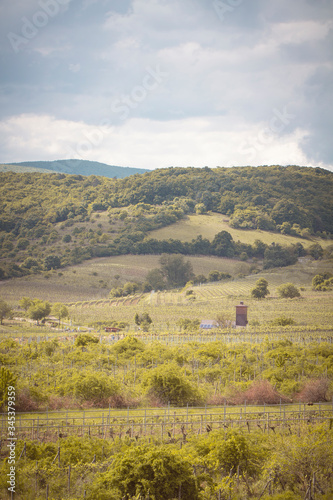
column 323, row 282
column 37, row 207
column 218, row 276
column 261, row 392
column 5, row 310
column 7, row 379
column 25, row 303
column 314, row 391
column 283, row 321
column 155, row 279
column 176, row 271
column 143, row 320
column 84, row 339
column 288, row 291
column 60, row 311
column 296, row 461
column 277, row 256
column 169, row 385
column 39, row 309
column 157, row 471
column 189, row 324
column 52, row 262
column 316, row 251
column 129, row 346
column 90, row 386
column 261, row 289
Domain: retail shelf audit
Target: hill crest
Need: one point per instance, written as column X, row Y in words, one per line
column 77, row 167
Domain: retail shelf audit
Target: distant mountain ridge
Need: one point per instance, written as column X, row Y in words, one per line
column 78, row 167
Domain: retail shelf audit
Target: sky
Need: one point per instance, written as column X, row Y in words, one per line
column 160, row 83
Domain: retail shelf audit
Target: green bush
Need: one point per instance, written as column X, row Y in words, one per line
column 288, row 291
column 169, row 385
column 283, row 321
column 157, row 471
column 90, row 386
column 84, row 339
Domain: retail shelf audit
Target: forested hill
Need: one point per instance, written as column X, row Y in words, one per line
column 275, row 194
column 74, row 217
column 79, row 167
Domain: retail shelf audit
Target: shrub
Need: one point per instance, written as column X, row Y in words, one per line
column 84, row 339
column 93, row 387
column 128, row 347
column 169, row 385
column 288, row 291
column 314, row 391
column 142, row 470
column 283, row 321
column 261, row 392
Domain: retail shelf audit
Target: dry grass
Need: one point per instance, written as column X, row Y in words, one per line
column 209, row 225
column 93, row 279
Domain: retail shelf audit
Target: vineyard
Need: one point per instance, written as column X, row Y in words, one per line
column 170, row 411
column 168, row 423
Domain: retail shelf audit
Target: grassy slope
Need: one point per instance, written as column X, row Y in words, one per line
column 81, row 167
column 209, row 225
column 77, row 283
column 22, row 169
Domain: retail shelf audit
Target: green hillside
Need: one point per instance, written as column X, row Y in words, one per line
column 209, row 224
column 21, row 169
column 78, row 167
column 273, row 215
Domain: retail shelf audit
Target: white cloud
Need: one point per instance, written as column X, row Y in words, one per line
column 146, row 143
column 225, row 79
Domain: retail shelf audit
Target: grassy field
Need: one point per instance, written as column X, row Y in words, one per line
column 209, row 225
column 93, row 279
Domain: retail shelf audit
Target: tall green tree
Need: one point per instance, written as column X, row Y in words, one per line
column 176, row 271
column 60, row 311
column 223, row 244
column 39, row 310
column 5, row 310
column 260, row 290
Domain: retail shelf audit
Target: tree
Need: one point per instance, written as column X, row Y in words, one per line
column 39, row 310
column 323, row 282
column 223, row 244
column 176, row 271
column 288, row 291
column 5, row 310
column 155, row 279
column 60, row 311
column 261, row 289
column 25, row 303
column 277, row 256
column 143, row 320
column 52, row 262
column 316, row 251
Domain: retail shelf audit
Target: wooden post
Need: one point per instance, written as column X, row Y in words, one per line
column 69, row 479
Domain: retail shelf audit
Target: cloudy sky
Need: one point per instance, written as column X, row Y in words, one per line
column 158, row 83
